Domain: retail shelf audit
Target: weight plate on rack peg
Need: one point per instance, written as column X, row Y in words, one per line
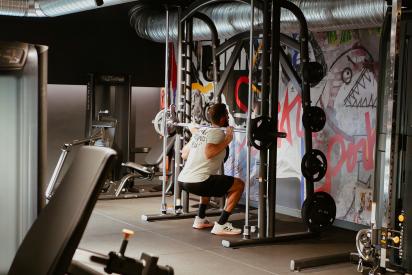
column 314, row 165
column 318, row 211
column 260, row 129
column 314, row 118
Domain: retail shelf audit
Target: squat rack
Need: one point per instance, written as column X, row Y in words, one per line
column 272, row 55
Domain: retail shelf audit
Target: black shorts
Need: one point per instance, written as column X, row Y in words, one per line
column 214, row 186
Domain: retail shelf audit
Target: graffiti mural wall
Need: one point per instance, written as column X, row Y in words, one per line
column 348, row 94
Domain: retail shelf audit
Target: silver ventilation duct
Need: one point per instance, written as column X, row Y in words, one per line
column 41, row 8
column 234, row 17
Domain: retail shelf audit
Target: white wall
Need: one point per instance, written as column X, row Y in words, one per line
column 66, row 119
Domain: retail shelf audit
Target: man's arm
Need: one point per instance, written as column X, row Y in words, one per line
column 185, row 151
column 212, row 149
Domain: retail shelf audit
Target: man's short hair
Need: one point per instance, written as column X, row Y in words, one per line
column 216, row 112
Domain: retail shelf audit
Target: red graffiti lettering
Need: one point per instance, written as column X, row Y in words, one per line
column 348, row 154
column 239, row 103
column 285, row 113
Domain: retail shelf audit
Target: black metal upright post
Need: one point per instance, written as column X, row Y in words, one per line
column 187, row 57
column 215, row 45
column 180, row 110
column 274, row 98
column 183, row 101
column 265, row 112
column 304, row 58
column 270, row 79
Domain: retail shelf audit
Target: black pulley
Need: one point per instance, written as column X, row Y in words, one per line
column 312, row 73
column 227, row 153
column 260, row 132
column 314, row 165
column 314, row 118
column 318, row 211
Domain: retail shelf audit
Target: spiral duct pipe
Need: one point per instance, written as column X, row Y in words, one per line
column 231, row 18
column 42, row 8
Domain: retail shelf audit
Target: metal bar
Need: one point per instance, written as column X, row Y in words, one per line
column 288, row 69
column 188, row 90
column 380, row 119
column 289, row 41
column 151, row 218
column 232, row 42
column 165, row 106
column 299, row 264
column 274, row 88
column 388, row 180
column 243, row 36
column 240, row 130
column 246, row 228
column 388, row 107
column 215, row 45
column 179, row 109
column 123, row 182
column 42, row 136
column 191, row 125
column 89, row 105
column 188, row 70
column 304, row 58
column 51, row 186
column 229, row 67
column 277, row 239
column 104, row 196
column 262, row 224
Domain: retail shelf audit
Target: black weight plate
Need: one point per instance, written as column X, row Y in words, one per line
column 314, row 118
column 260, row 129
column 318, row 211
column 312, row 72
column 314, row 165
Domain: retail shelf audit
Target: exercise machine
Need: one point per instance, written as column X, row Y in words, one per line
column 387, row 244
column 23, row 143
column 103, row 136
column 118, row 263
column 109, row 124
column 62, row 222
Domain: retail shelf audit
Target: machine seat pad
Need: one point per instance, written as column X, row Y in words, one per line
column 155, row 155
column 147, row 171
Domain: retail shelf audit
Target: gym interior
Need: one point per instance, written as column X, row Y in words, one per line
column 98, row 99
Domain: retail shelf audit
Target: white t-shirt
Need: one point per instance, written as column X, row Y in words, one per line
column 198, row 168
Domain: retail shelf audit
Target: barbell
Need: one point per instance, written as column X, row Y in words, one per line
column 198, row 126
column 261, row 134
column 240, row 130
column 261, row 137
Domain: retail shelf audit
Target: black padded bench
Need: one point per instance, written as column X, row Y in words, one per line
column 51, row 242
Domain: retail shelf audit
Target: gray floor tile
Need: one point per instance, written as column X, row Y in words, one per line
column 191, row 251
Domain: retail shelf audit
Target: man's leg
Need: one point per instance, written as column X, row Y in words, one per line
column 204, row 201
column 233, row 196
column 200, row 221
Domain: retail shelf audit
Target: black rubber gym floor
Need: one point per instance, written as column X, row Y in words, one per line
column 191, row 251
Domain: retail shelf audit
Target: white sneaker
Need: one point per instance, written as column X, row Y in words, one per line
column 225, row 229
column 200, row 223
